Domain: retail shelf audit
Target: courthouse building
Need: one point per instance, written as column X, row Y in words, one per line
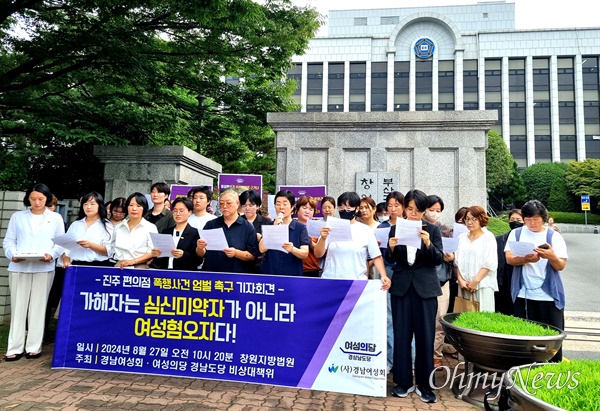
column 544, row 83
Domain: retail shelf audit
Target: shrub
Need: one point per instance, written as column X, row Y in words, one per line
column 538, row 179
column 498, row 226
column 560, row 199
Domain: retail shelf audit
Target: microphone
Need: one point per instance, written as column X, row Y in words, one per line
column 280, row 216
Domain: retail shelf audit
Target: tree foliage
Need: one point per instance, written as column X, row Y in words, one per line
column 538, row 179
column 512, row 191
column 583, row 178
column 560, row 199
column 498, row 161
column 74, row 73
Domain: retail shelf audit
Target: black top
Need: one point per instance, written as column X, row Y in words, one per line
column 188, row 240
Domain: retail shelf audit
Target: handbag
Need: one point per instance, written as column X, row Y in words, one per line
column 444, row 272
column 462, row 304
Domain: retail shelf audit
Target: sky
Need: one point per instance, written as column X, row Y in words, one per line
column 529, row 14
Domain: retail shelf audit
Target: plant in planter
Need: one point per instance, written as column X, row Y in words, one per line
column 501, row 324
column 569, row 385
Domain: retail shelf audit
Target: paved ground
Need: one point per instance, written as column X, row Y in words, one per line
column 33, row 385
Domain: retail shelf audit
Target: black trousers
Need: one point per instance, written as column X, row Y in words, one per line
column 413, row 316
column 543, row 312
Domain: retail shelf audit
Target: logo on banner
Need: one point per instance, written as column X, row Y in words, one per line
column 333, row 368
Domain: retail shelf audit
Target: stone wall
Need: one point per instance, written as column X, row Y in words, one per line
column 129, row 169
column 10, row 201
column 440, row 152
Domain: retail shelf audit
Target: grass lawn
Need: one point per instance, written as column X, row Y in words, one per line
column 48, row 338
column 3, row 338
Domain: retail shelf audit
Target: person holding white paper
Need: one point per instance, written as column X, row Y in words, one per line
column 131, row 244
column 537, row 289
column 185, row 237
column 433, row 215
column 306, row 206
column 414, row 291
column 93, row 233
column 348, row 259
column 290, row 263
column 30, row 231
column 240, row 235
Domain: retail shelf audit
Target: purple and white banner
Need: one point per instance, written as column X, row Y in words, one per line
column 316, row 192
column 240, row 182
column 290, row 331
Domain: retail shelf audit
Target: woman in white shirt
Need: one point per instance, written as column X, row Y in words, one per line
column 93, row 233
column 348, row 259
column 131, row 244
column 29, row 247
column 477, row 260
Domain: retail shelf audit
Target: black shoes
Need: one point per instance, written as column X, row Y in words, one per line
column 14, row 357
column 402, row 392
column 426, row 395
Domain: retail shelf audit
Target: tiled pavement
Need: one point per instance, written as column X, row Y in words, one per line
column 33, row 385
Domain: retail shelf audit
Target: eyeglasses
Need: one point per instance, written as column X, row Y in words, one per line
column 248, row 205
column 470, row 220
column 118, row 213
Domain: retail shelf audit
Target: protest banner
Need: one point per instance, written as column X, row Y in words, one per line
column 290, row 331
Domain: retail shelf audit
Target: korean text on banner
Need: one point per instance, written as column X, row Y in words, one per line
column 237, row 327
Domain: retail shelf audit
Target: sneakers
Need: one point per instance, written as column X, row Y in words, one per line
column 402, row 392
column 426, row 395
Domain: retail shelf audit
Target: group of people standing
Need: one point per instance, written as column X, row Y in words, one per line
column 418, row 279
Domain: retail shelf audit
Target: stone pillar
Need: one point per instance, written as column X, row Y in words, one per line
column 439, row 152
column 10, row 201
column 128, row 169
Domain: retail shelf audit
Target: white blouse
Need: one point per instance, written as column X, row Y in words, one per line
column 97, row 233
column 128, row 245
column 470, row 257
column 32, row 233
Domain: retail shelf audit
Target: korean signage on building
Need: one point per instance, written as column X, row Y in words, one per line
column 376, row 185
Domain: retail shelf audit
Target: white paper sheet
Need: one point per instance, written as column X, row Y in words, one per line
column 164, row 243
column 407, row 232
column 459, row 229
column 382, row 235
column 520, row 248
column 274, row 236
column 450, row 244
column 215, row 239
column 340, row 229
column 67, row 240
column 314, row 227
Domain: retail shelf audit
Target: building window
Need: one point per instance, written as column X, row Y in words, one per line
column 568, row 148
column 493, row 76
column 401, row 87
column 541, row 112
column 517, row 113
column 379, row 86
column 424, row 74
column 592, row 146
column 385, row 20
column 543, row 148
column 498, row 107
column 314, row 86
column 446, row 85
column 566, row 80
column 360, row 21
column 566, row 112
column 357, row 86
column 470, row 85
column 335, row 89
column 516, row 75
column 518, row 149
column 295, row 73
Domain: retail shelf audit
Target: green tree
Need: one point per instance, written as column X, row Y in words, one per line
column 583, row 178
column 512, row 191
column 560, row 199
column 538, row 179
column 79, row 73
column 498, row 162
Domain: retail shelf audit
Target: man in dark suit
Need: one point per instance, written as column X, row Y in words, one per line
column 414, row 291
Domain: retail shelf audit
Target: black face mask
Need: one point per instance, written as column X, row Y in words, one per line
column 347, row 215
column 515, row 224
